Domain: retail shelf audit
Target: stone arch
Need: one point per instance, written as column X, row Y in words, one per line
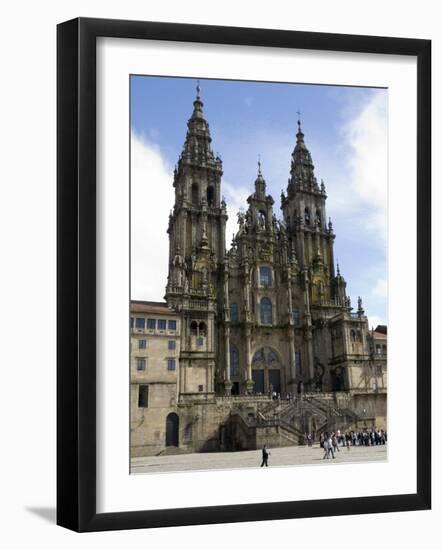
column 267, row 370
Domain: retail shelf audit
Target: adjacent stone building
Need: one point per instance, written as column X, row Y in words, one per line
column 268, row 317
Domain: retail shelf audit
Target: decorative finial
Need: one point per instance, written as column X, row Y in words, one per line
column 198, row 89
column 259, row 165
column 337, row 269
column 298, row 112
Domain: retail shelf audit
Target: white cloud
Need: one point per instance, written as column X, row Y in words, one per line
column 152, row 197
column 381, row 288
column 365, row 136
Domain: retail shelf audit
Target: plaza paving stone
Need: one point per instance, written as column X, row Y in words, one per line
column 281, row 456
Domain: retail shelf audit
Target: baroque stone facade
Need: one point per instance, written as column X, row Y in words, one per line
column 269, row 317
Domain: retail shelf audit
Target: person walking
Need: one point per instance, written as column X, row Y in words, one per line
column 330, row 446
column 265, row 456
column 335, row 443
column 326, row 450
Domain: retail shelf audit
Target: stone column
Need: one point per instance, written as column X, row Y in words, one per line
column 308, row 328
column 249, row 380
column 227, row 381
column 292, row 357
column 331, row 256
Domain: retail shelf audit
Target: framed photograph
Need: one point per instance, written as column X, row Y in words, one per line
column 243, row 274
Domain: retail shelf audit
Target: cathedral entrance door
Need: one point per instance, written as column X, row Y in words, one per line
column 275, row 380
column 172, row 430
column 258, row 379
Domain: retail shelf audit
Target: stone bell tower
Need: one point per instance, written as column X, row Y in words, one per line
column 304, row 209
column 196, row 255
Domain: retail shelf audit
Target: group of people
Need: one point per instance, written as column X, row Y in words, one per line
column 331, row 442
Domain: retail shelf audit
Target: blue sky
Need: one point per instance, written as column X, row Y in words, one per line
column 345, row 130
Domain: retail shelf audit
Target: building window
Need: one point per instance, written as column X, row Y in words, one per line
column 266, row 311
column 131, row 322
column 352, row 335
column 172, row 325
column 265, row 276
column 162, row 323
column 141, row 364
column 172, row 344
column 296, row 317
column 234, row 361
column 195, row 194
column 139, row 322
column 202, row 329
column 210, row 196
column 234, row 312
column 151, row 324
column 193, row 328
column 298, row 366
column 141, row 344
column 200, row 342
column 143, row 396
column 307, row 216
column 200, row 387
column 318, row 217
column 171, row 364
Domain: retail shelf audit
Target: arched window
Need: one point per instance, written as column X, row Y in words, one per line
column 210, row 196
column 318, row 217
column 266, row 311
column 265, row 276
column 262, row 219
column 193, row 328
column 296, row 317
column 234, row 361
column 352, row 335
column 202, row 329
column 195, row 194
column 234, row 312
column 307, row 216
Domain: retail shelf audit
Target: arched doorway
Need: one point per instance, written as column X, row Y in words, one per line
column 267, row 372
column 172, row 430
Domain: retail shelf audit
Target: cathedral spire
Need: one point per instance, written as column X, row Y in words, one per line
column 197, row 148
column 302, row 168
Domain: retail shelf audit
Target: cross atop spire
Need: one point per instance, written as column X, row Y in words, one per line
column 260, row 184
column 198, row 89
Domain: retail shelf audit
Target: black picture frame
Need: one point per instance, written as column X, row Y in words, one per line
column 76, row 274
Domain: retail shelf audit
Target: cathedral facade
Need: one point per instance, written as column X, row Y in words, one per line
column 266, row 318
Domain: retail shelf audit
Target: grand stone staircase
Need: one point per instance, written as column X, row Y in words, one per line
column 284, row 423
